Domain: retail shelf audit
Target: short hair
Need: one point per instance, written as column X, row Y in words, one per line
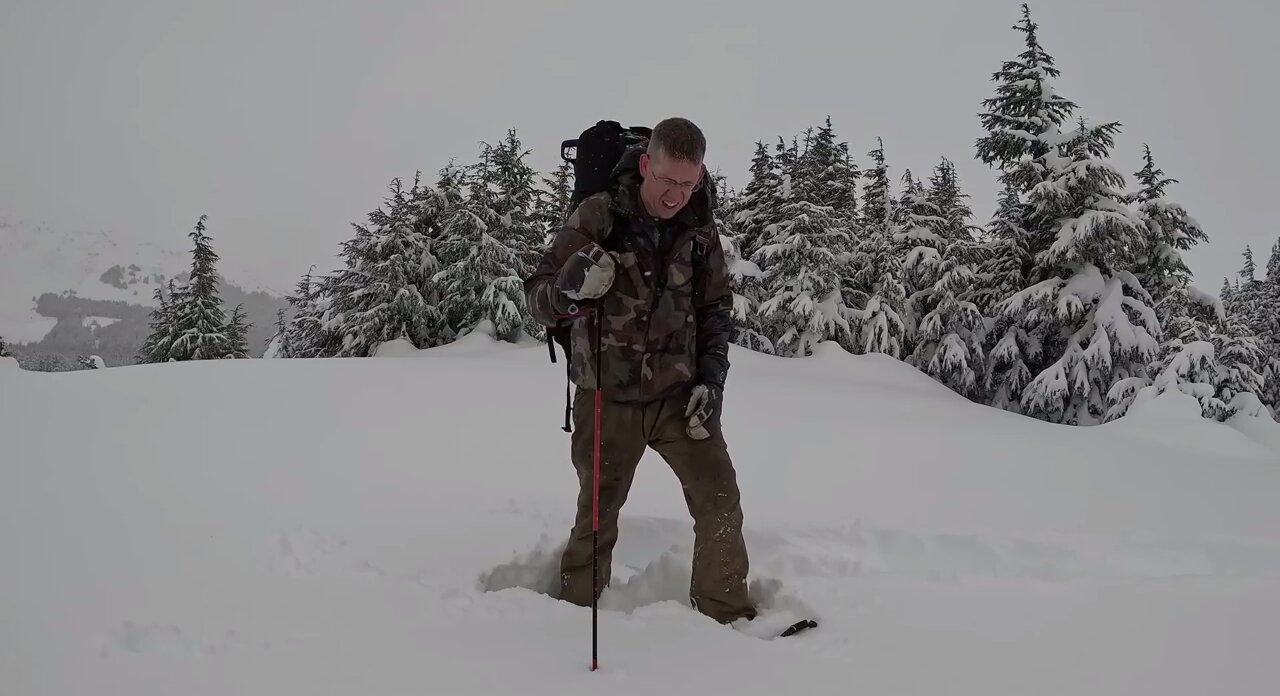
column 679, row 138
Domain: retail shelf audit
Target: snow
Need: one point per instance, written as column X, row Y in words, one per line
column 36, row 258
column 102, row 322
column 383, row 526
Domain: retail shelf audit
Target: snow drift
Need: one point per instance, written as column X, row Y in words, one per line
column 391, row 526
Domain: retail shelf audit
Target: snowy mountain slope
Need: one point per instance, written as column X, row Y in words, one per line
column 383, row 526
column 36, row 258
column 50, row 275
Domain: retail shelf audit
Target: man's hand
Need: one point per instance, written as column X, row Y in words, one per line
column 703, row 409
column 587, row 275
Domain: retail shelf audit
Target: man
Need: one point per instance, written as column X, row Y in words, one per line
column 643, row 262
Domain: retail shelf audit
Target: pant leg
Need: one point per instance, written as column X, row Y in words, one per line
column 622, row 446
column 718, row 585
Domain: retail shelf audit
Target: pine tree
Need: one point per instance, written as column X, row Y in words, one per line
column 277, row 346
column 1089, row 313
column 802, row 302
column 1216, row 364
column 4, row 348
column 800, row 249
column 1273, row 265
column 1248, row 272
column 1024, row 118
column 873, row 271
column 552, row 208
column 379, row 295
column 758, row 206
column 825, row 174
column 484, row 257
column 306, row 335
column 155, row 347
column 948, row 326
column 1169, row 231
column 238, row 334
column 746, row 281
column 198, row 315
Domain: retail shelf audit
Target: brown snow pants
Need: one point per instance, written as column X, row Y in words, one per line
column 718, row 586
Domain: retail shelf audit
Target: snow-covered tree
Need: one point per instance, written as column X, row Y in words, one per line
column 873, row 271
column 948, row 325
column 199, row 319
column 380, row 294
column 4, row 348
column 305, row 335
column 1170, row 231
column 483, row 263
column 826, row 174
column 746, row 281
column 758, row 206
column 164, row 324
column 801, row 303
column 1023, row 119
column 552, row 207
column 1273, row 265
column 1090, row 315
column 1248, row 272
column 238, row 334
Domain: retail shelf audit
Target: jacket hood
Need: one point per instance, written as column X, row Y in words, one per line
column 626, row 179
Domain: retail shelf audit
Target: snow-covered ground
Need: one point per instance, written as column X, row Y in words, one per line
column 383, row 526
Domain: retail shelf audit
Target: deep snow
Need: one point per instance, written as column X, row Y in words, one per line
column 384, row 526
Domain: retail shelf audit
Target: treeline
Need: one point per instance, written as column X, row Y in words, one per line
column 1071, row 304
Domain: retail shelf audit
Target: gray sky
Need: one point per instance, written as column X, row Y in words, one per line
column 285, row 121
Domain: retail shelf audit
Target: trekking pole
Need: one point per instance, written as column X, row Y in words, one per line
column 595, row 505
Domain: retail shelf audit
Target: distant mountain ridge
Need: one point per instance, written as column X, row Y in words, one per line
column 65, row 294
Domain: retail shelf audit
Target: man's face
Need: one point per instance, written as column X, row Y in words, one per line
column 668, row 183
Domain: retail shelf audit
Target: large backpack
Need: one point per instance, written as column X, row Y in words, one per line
column 594, row 155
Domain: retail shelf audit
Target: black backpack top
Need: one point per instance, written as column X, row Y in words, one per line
column 595, row 153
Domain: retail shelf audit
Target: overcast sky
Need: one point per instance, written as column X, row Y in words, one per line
column 285, row 121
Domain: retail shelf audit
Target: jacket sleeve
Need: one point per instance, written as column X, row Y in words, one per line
column 586, row 225
column 713, row 303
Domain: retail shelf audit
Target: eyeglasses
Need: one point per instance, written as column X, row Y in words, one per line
column 672, row 183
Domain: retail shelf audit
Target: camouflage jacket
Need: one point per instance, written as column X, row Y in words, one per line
column 666, row 327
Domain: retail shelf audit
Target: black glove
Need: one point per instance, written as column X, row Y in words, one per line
column 703, row 411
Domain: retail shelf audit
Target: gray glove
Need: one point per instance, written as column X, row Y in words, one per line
column 702, row 411
column 587, row 275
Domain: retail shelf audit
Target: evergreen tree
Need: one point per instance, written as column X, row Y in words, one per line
column 238, row 334
column 1090, row 315
column 552, row 208
column 198, row 315
column 4, row 349
column 1249, row 272
column 378, row 296
column 1169, row 231
column 949, row 203
column 873, row 272
column 306, row 335
column 825, row 174
column 800, row 250
column 746, row 281
column 155, row 347
column 1273, row 265
column 484, row 258
column 1218, row 365
column 276, row 345
column 1024, row 118
column 948, row 334
column 759, row 204
column 1003, row 256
